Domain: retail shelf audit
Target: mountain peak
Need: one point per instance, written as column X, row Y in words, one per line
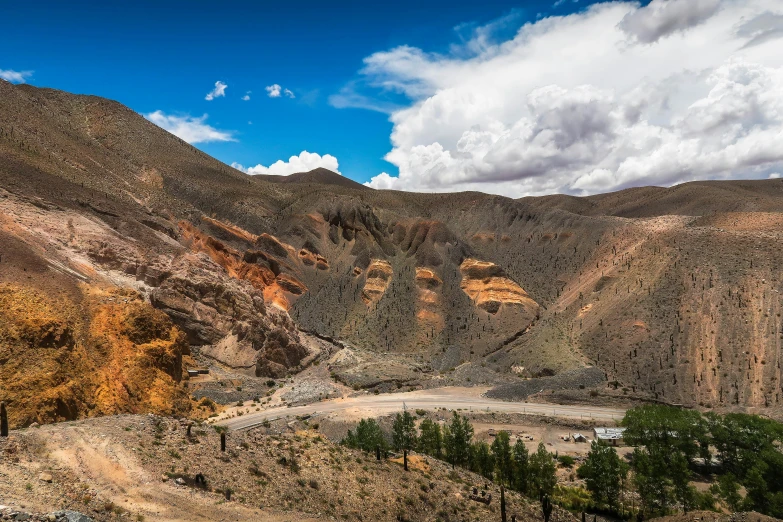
column 322, row 176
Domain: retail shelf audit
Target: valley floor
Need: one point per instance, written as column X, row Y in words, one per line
column 368, row 405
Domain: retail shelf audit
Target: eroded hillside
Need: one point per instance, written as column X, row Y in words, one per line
column 674, row 294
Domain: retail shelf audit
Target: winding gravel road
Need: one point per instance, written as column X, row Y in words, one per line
column 451, row 398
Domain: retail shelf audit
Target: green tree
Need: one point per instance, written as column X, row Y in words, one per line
column 773, row 475
column 367, row 437
column 740, row 440
column 603, row 472
column 404, row 432
column 501, row 451
column 430, row 440
column 671, row 438
column 727, row 488
column 668, row 441
column 542, row 472
column 682, row 492
column 481, row 459
column 457, row 437
column 758, row 490
column 521, row 466
column 668, row 428
column 651, row 480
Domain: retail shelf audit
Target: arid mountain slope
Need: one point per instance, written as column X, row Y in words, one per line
column 674, row 293
column 91, row 237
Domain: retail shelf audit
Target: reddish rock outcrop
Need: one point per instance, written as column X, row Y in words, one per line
column 228, row 318
column 262, row 268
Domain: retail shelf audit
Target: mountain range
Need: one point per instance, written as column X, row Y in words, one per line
column 128, row 255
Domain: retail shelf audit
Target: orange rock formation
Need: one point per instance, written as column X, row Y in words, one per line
column 379, row 275
column 429, row 297
column 60, row 364
column 489, row 288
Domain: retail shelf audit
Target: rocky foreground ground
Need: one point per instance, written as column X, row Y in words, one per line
column 148, row 468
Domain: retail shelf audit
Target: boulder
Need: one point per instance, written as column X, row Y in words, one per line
column 71, row 516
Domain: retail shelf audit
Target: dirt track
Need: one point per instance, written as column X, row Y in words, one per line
column 451, row 398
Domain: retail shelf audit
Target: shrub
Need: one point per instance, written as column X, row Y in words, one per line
column 566, row 461
column 574, row 499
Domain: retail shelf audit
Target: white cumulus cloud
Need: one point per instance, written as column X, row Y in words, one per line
column 615, row 96
column 12, row 76
column 189, row 128
column 246, row 97
column 273, row 91
column 304, row 162
column 218, row 92
column 276, row 91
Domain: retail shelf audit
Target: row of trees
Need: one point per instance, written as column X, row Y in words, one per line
column 673, row 445
column 507, row 464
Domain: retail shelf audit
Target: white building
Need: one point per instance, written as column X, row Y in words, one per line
column 611, row 436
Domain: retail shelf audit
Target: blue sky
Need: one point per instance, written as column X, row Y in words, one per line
column 514, row 98
column 152, row 56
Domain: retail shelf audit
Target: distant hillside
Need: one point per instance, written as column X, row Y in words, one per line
column 319, row 176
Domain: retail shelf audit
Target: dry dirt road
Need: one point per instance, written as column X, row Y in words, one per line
column 452, row 398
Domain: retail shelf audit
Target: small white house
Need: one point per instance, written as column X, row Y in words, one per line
column 611, row 436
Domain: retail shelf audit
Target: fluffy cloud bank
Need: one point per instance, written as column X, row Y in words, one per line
column 189, row 128
column 664, row 17
column 12, row 76
column 304, row 162
column 616, row 96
